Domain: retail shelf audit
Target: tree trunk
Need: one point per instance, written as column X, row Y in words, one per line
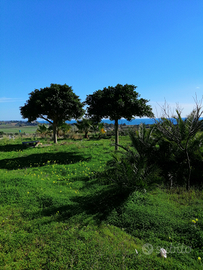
column 86, row 134
column 116, row 135
column 54, row 133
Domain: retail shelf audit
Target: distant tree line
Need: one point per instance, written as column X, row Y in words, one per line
column 19, row 123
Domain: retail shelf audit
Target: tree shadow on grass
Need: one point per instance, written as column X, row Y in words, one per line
column 42, row 159
column 98, row 205
column 12, row 147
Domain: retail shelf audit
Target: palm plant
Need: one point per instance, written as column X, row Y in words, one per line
column 167, row 151
column 182, row 136
column 84, row 125
column 136, row 168
column 64, row 128
column 42, row 129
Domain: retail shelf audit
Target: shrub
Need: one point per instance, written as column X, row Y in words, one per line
column 162, row 154
column 136, row 168
column 179, row 155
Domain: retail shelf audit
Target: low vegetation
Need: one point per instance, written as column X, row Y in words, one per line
column 66, row 206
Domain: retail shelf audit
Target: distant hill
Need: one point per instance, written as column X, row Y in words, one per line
column 18, row 123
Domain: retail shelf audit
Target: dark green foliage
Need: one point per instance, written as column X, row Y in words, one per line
column 136, row 168
column 180, row 147
column 54, row 104
column 115, row 103
column 158, row 157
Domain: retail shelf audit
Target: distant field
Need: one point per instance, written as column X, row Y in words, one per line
column 14, row 129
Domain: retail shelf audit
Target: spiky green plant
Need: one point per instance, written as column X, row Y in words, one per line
column 42, row 129
column 84, row 125
column 182, row 136
column 136, row 168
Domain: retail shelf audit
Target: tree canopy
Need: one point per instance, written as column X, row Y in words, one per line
column 55, row 104
column 117, row 102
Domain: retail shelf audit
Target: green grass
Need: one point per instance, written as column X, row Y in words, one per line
column 58, row 213
column 13, row 129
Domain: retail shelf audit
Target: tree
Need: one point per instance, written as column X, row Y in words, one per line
column 55, row 104
column 117, row 102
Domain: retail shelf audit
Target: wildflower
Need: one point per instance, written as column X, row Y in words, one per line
column 28, row 192
column 196, row 219
column 199, row 258
column 136, row 251
column 193, row 221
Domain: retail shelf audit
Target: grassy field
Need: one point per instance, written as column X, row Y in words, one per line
column 14, row 129
column 57, row 212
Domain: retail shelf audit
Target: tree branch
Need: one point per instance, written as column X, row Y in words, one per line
column 46, row 119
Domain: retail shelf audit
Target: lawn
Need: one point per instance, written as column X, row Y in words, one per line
column 57, row 212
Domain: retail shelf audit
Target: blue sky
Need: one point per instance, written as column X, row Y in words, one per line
column 156, row 45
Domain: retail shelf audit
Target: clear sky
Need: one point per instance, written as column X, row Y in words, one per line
column 156, row 45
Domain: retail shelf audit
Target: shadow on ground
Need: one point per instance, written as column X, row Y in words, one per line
column 12, row 147
column 41, row 159
column 98, row 204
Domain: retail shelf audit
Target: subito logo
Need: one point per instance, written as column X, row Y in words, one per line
column 147, row 249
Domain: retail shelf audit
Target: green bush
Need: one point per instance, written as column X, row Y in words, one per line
column 136, row 167
column 162, row 154
column 180, row 157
